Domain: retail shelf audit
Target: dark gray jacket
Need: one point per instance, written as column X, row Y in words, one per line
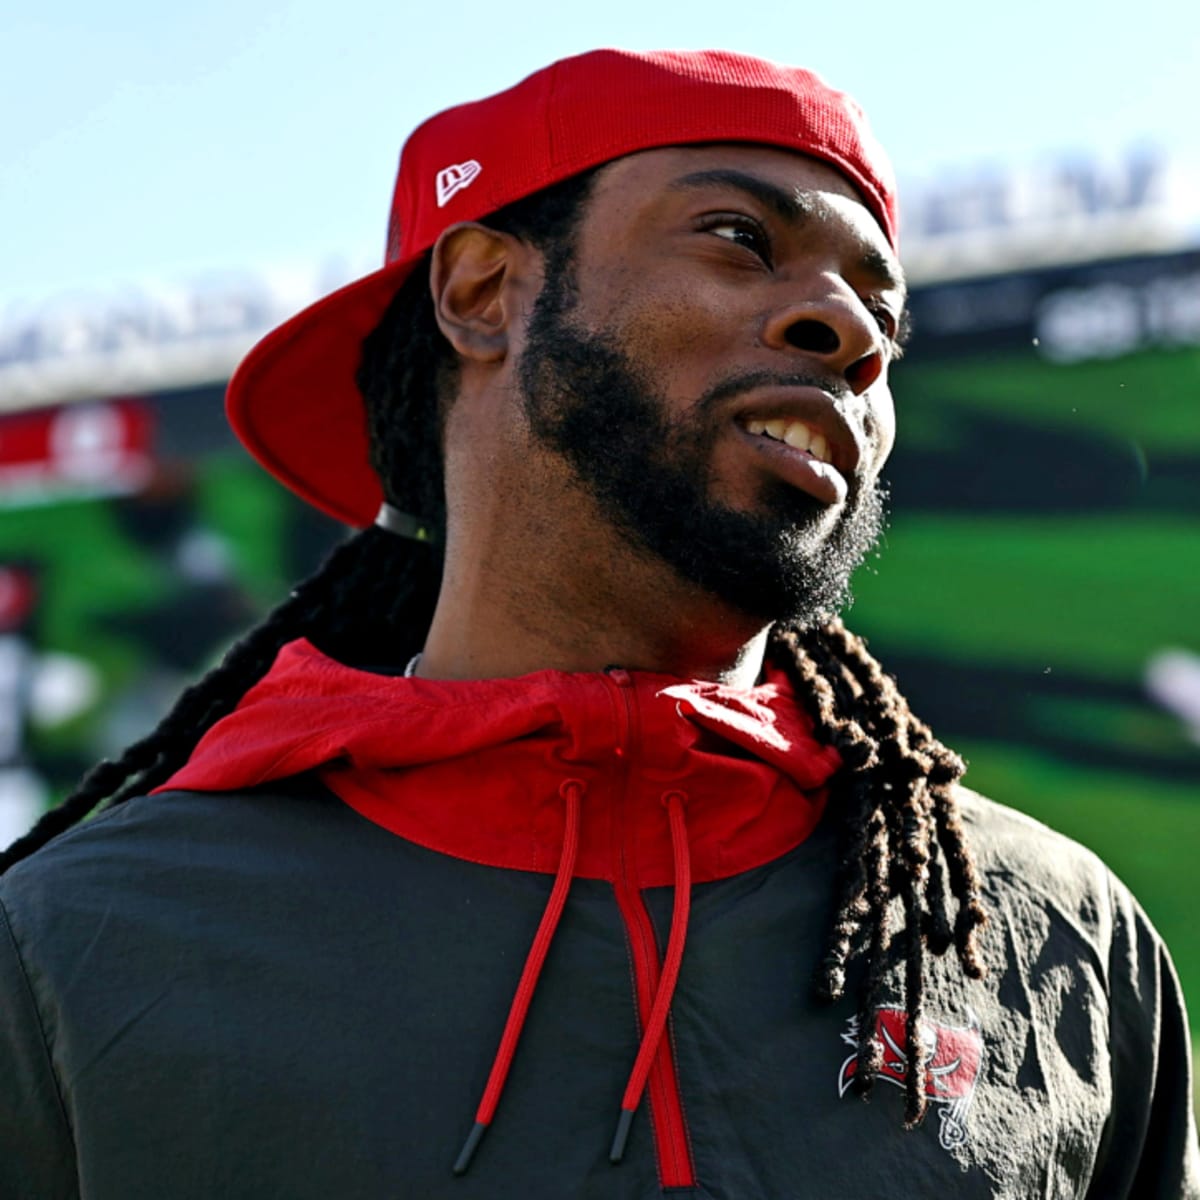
column 267, row 995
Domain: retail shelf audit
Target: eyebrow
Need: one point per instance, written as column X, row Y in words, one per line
column 793, row 207
column 885, row 269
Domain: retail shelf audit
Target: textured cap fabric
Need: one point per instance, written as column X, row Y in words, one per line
column 294, row 402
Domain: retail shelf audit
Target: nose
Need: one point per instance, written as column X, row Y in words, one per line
column 834, row 327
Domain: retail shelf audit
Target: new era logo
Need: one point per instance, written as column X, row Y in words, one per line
column 454, row 178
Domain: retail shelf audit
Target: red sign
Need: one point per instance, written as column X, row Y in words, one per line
column 77, row 449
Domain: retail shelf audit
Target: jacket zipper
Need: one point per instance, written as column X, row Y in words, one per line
column 671, row 1144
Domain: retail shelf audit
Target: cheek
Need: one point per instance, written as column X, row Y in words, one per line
column 661, row 314
column 673, row 354
column 881, row 423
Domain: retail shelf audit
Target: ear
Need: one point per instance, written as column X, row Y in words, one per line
column 476, row 275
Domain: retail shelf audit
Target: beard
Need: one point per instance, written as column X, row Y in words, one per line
column 588, row 401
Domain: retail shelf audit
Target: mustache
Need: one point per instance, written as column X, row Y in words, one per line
column 748, row 381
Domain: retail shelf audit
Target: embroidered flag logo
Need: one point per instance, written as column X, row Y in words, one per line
column 955, row 1059
column 454, row 178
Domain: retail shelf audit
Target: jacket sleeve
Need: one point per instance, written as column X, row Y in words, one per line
column 1149, row 1149
column 37, row 1156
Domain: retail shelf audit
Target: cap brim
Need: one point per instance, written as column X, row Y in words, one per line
column 295, row 404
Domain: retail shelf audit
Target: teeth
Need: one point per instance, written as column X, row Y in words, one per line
column 796, row 434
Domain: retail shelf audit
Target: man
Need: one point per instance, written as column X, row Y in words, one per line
column 550, row 792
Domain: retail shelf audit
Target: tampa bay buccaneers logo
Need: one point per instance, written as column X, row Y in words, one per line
column 952, row 1070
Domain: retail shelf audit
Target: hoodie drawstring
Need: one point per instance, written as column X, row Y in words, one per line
column 661, row 1008
column 572, row 792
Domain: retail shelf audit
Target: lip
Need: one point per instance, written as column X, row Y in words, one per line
column 817, row 408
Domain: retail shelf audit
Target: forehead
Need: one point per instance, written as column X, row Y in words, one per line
column 639, row 184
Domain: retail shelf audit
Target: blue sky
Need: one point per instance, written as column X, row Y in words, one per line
column 147, row 141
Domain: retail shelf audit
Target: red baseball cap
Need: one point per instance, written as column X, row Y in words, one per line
column 294, row 402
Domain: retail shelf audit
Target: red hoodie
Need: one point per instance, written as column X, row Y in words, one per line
column 475, row 768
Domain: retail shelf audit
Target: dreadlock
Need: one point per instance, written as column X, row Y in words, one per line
column 900, row 834
column 901, row 837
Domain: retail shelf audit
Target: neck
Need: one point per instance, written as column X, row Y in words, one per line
column 504, row 612
column 537, row 577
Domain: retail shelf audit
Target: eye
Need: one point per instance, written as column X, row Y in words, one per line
column 742, row 231
column 889, row 324
column 883, row 318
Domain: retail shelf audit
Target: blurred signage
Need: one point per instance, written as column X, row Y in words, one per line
column 1067, row 313
column 1063, row 192
column 74, row 451
column 1063, row 211
column 1107, row 319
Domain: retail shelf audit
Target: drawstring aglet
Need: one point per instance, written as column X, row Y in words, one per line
column 660, row 1010
column 622, row 1136
column 463, row 1161
column 571, row 791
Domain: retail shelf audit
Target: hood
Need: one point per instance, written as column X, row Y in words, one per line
column 475, row 768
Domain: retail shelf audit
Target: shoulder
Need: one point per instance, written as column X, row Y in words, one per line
column 1084, row 1018
column 140, row 897
column 1040, row 884
column 165, row 847
column 1005, row 841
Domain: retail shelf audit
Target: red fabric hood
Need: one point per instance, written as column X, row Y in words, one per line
column 475, row 768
